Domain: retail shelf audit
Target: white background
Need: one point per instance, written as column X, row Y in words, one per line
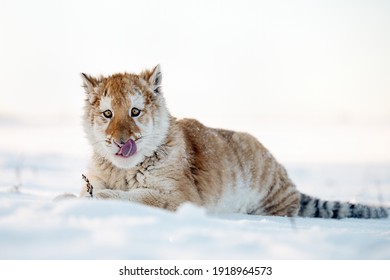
column 309, row 78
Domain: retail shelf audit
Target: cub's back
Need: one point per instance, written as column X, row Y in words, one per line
column 226, row 162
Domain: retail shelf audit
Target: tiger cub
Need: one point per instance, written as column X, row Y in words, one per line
column 142, row 154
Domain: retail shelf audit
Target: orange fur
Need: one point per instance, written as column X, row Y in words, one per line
column 193, row 163
column 179, row 161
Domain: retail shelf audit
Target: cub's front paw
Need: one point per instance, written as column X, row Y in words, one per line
column 106, row 194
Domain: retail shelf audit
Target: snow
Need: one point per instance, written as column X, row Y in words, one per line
column 33, row 226
column 310, row 79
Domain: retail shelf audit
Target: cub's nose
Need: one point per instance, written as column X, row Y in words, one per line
column 121, row 141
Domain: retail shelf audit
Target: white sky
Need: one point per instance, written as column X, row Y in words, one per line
column 227, row 63
column 283, row 58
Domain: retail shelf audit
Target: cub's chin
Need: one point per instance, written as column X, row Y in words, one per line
column 126, row 162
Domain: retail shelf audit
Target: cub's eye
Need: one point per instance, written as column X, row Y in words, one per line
column 107, row 114
column 135, row 112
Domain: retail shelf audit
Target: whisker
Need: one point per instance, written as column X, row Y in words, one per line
column 97, row 142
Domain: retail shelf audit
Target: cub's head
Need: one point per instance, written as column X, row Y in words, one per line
column 125, row 116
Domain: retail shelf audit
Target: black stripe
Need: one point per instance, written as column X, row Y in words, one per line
column 351, row 210
column 317, row 213
column 336, row 210
column 325, row 207
column 254, row 211
column 383, row 213
column 375, row 212
column 304, row 201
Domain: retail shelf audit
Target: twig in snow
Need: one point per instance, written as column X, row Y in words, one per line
column 293, row 224
column 18, row 174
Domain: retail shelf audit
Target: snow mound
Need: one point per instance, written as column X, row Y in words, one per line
column 92, row 229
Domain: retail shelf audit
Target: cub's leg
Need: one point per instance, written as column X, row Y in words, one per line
column 282, row 198
column 282, row 202
column 149, row 197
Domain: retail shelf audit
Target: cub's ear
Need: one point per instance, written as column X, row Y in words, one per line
column 90, row 84
column 154, row 78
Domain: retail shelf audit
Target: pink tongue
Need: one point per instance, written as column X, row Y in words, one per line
column 128, row 149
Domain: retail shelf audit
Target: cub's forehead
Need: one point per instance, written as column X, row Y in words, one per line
column 121, row 85
column 131, row 98
column 121, row 91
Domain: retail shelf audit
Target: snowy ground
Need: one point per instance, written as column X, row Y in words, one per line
column 32, row 226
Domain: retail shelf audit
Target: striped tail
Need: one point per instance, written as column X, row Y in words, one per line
column 314, row 207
